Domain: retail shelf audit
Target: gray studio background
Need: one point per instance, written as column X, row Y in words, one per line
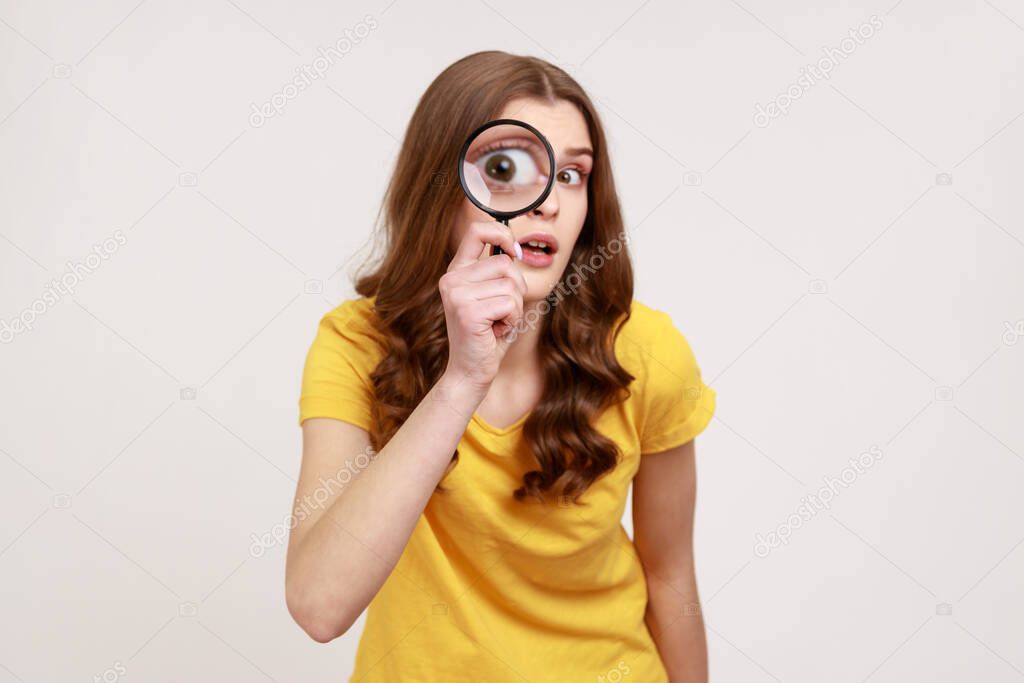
column 849, row 274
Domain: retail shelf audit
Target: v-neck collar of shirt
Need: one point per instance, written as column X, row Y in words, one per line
column 499, row 431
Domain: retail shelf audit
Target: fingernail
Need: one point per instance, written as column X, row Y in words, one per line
column 519, row 250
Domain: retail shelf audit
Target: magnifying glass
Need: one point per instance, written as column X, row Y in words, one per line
column 506, row 168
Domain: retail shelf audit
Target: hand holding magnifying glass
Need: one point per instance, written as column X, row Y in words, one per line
column 506, row 169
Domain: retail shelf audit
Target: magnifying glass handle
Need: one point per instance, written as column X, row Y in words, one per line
column 495, row 249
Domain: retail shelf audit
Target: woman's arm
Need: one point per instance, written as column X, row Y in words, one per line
column 341, row 552
column 664, row 491
column 345, row 546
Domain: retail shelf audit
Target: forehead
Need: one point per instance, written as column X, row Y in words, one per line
column 561, row 123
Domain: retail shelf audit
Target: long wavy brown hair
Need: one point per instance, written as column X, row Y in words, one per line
column 581, row 375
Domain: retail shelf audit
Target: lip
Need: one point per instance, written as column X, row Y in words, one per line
column 546, row 237
column 535, row 259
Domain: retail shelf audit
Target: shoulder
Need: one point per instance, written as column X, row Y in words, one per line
column 650, row 339
column 353, row 319
column 672, row 403
column 646, row 318
column 351, row 330
column 336, row 378
column 351, row 313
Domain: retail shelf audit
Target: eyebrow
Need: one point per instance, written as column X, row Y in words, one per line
column 579, row 151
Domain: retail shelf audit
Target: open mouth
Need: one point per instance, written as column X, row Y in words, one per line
column 537, row 245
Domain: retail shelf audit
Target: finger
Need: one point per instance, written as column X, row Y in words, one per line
column 494, row 250
column 476, row 239
column 493, row 267
column 503, row 309
column 504, row 286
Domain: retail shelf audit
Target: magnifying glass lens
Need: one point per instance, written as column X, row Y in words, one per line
column 506, row 168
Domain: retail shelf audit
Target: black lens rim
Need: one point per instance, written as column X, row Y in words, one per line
column 506, row 215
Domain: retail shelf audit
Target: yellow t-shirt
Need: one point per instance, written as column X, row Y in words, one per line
column 489, row 589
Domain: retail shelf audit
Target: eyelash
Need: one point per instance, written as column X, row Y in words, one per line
column 583, row 175
column 500, row 144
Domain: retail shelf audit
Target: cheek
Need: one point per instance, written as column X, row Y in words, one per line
column 574, row 210
column 575, row 202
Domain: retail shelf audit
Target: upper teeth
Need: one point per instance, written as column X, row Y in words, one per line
column 535, row 243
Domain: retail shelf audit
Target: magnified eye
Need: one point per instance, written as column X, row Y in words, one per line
column 510, row 166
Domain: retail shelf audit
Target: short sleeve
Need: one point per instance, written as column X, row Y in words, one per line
column 336, row 377
column 676, row 403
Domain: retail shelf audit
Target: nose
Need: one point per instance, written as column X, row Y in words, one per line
column 549, row 207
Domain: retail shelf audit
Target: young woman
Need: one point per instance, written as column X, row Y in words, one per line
column 472, row 423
